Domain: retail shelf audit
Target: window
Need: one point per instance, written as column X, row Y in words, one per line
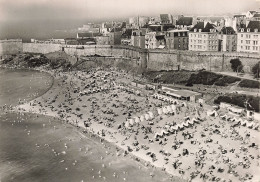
column 247, row 41
column 241, row 35
column 241, row 41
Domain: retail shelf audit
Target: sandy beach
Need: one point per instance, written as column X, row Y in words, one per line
column 102, row 102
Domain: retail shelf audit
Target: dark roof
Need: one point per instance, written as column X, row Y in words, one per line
column 254, row 25
column 227, row 30
column 184, row 21
column 88, row 34
column 159, row 37
column 200, row 25
column 257, row 15
column 252, row 12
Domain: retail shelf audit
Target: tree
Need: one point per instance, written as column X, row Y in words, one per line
column 256, row 70
column 236, row 65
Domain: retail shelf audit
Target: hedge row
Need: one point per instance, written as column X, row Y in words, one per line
column 249, row 84
column 239, row 100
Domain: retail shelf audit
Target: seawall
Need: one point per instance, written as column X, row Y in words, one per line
column 146, row 59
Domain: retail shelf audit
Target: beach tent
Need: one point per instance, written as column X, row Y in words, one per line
column 191, row 122
column 212, row 113
column 195, row 120
column 151, row 114
column 244, row 123
column 137, row 120
column 159, row 110
column 181, row 125
column 176, row 102
column 167, row 127
column 174, row 128
column 156, row 135
column 256, row 126
column 147, row 117
column 186, row 124
column 142, row 118
column 187, row 118
column 163, row 132
column 250, row 125
column 223, row 116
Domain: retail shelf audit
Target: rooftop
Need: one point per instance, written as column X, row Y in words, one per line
column 252, row 25
column 206, row 28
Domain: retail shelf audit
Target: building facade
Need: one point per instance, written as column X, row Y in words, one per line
column 103, row 40
column 115, row 38
column 177, row 39
column 203, row 37
column 227, row 39
column 248, row 39
column 153, row 40
column 138, row 38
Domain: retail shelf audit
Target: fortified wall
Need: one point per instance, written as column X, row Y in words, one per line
column 152, row 59
column 11, row 46
column 190, row 60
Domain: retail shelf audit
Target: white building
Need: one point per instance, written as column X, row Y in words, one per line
column 248, row 39
column 203, row 37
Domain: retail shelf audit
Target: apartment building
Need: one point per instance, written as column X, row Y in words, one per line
column 177, row 39
column 154, row 40
column 203, row 37
column 248, row 39
column 227, row 39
